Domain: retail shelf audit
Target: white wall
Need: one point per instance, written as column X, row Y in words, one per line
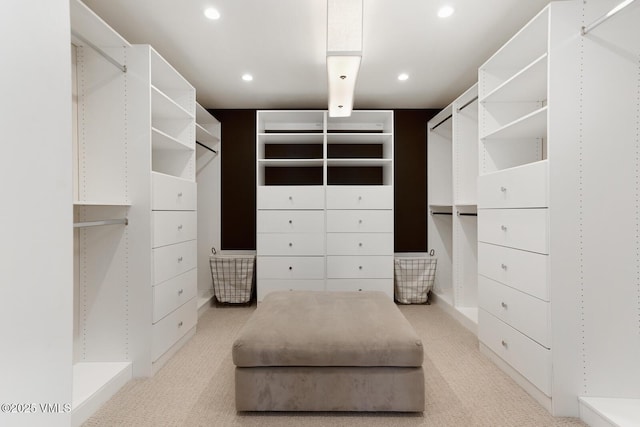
column 36, row 273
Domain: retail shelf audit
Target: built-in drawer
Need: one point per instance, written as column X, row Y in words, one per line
column 360, row 197
column 528, row 314
column 516, row 228
column 290, row 221
column 518, row 187
column 172, row 327
column 173, row 260
column 311, row 267
column 359, row 285
column 173, row 227
column 171, row 294
column 290, row 244
column 359, row 267
column 526, row 356
column 522, row 270
column 170, row 193
column 290, row 197
column 359, row 243
column 265, row 286
column 360, row 221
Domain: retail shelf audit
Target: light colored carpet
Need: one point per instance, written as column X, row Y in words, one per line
column 195, row 388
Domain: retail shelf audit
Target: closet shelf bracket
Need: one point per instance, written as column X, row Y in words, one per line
column 124, row 221
column 102, row 53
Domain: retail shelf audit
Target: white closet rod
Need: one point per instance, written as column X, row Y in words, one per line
column 124, row 221
column 594, row 24
column 100, row 51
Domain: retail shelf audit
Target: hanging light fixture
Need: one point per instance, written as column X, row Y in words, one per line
column 344, row 53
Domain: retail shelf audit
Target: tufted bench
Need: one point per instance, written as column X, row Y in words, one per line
column 328, row 351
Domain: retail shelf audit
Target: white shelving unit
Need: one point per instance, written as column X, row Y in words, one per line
column 103, row 353
column 452, row 223
column 208, row 133
column 528, row 207
column 324, row 180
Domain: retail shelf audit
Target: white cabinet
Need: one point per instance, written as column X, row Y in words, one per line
column 452, row 167
column 325, row 201
column 526, row 125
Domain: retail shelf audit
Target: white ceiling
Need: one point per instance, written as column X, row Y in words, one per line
column 282, row 43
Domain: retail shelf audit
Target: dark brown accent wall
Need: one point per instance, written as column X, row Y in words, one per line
column 239, row 178
column 410, row 179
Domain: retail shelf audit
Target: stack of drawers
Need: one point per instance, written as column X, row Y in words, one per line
column 360, row 238
column 290, row 238
column 174, row 251
column 513, row 292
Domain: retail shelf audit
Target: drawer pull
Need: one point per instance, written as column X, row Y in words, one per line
column 503, row 266
column 359, row 221
column 360, row 244
column 180, row 227
column 290, row 244
column 180, row 324
column 180, row 194
column 179, row 259
column 503, row 227
column 290, row 268
column 290, row 197
column 180, row 292
column 290, row 221
column 359, row 289
column 360, row 267
column 503, row 189
column 504, row 344
column 503, row 304
column 359, row 197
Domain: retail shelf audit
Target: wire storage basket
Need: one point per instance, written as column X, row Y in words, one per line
column 232, row 277
column 414, row 279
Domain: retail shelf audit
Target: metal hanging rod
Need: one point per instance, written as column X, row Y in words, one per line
column 208, row 148
column 594, row 24
column 441, row 213
column 441, row 121
column 474, row 99
column 467, row 214
column 124, row 221
column 102, row 53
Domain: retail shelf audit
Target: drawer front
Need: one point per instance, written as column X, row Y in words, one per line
column 290, row 244
column 360, row 267
column 172, row 194
column 290, row 197
column 173, row 260
column 523, row 312
column 169, row 295
column 174, row 227
column 359, row 285
column 516, row 228
column 359, row 197
column 352, row 221
column 290, row 221
column 265, row 286
column 174, row 326
column 290, row 267
column 520, row 187
column 525, row 355
column 522, row 270
column 359, row 243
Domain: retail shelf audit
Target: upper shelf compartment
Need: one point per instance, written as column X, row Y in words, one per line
column 300, row 122
column 529, row 84
column 165, row 79
column 521, row 51
column 90, row 27
column 362, row 122
column 207, row 128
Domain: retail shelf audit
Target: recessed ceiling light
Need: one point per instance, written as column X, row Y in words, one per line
column 212, row 13
column 247, row 77
column 445, row 11
column 403, row 76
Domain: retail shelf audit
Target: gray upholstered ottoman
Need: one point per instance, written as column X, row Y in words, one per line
column 328, row 351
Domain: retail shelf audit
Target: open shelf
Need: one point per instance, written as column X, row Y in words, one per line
column 162, row 141
column 204, row 137
column 100, row 203
column 533, row 125
column 163, row 107
column 167, row 80
column 529, row 84
column 359, row 138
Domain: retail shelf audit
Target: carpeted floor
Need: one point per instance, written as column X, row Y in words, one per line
column 195, row 388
